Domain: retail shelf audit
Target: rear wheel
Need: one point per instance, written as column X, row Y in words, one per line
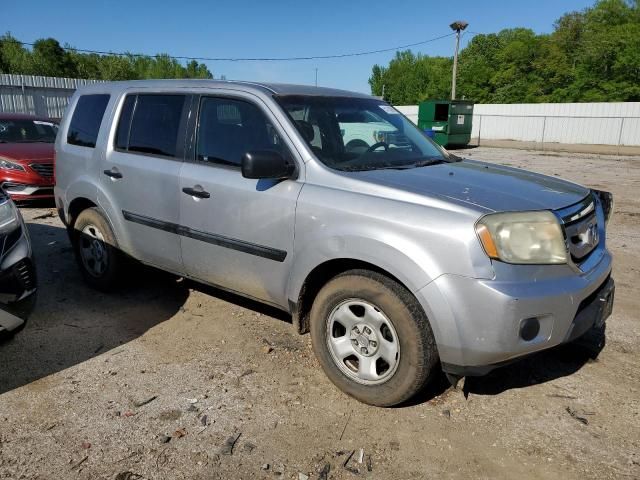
column 372, row 338
column 96, row 250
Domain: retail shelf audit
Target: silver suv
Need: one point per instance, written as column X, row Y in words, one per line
column 399, row 257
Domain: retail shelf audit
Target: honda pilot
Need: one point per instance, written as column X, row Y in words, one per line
column 398, row 257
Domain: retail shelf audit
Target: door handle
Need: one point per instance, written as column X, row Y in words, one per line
column 112, row 173
column 199, row 193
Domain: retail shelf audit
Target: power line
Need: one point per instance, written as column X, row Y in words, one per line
column 253, row 59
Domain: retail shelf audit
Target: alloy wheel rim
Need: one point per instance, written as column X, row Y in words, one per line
column 93, row 251
column 363, row 342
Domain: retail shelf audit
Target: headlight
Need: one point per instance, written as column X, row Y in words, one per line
column 8, row 217
column 9, row 165
column 523, row 237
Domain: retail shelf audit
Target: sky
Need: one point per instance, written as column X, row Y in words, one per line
column 275, row 28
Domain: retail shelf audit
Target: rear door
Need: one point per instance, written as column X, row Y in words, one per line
column 237, row 232
column 140, row 175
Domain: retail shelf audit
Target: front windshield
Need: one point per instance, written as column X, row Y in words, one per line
column 27, row 131
column 352, row 134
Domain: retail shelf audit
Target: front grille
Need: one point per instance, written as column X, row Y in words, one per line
column 581, row 228
column 43, row 169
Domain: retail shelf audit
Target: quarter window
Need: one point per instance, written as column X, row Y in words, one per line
column 150, row 123
column 228, row 128
column 86, row 120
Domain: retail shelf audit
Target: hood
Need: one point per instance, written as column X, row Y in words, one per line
column 487, row 185
column 27, row 151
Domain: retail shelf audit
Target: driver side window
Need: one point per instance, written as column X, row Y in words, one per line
column 229, row 128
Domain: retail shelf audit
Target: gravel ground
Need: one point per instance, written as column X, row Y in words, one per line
column 169, row 379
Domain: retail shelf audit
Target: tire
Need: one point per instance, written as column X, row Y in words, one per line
column 92, row 231
column 398, row 329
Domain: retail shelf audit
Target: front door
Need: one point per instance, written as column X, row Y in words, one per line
column 237, row 233
column 140, row 176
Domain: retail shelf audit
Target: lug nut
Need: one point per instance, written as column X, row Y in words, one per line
column 367, row 330
column 373, row 344
column 363, row 350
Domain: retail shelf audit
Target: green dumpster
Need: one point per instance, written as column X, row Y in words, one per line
column 448, row 122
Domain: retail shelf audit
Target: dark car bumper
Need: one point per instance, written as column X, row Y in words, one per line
column 18, row 284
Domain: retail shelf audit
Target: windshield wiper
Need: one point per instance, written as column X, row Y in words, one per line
column 425, row 162
column 422, row 163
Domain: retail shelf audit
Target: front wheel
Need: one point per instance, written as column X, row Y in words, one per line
column 372, row 338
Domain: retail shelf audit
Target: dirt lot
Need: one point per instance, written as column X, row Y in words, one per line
column 151, row 382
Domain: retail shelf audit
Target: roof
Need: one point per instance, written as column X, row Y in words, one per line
column 264, row 88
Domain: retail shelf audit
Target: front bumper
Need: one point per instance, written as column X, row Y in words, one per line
column 28, row 185
column 477, row 323
column 18, row 283
column 24, row 191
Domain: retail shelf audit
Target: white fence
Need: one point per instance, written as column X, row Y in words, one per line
column 568, row 123
column 45, row 96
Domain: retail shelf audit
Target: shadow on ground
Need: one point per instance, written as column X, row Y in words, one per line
column 543, row 367
column 72, row 323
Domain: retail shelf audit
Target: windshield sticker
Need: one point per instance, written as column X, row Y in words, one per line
column 388, row 109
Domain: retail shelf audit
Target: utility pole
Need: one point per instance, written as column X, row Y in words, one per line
column 457, row 27
column 316, row 76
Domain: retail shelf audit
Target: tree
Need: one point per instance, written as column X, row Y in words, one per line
column 197, row 70
column 14, row 58
column 411, row 78
column 48, row 58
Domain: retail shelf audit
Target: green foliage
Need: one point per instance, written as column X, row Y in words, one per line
column 48, row 58
column 591, row 56
column 410, row 78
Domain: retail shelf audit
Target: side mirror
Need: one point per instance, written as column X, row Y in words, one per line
column 266, row 164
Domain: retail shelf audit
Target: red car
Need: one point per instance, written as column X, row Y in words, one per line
column 26, row 156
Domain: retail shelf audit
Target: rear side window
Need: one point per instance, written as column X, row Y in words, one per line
column 150, row 124
column 86, row 120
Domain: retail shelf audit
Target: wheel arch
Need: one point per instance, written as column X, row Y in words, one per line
column 319, row 276
column 76, row 207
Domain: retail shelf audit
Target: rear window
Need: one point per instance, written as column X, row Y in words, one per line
column 150, row 124
column 86, row 120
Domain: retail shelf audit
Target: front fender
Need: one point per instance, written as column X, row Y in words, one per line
column 407, row 269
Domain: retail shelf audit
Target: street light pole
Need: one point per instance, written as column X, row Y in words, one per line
column 456, row 26
column 316, row 76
